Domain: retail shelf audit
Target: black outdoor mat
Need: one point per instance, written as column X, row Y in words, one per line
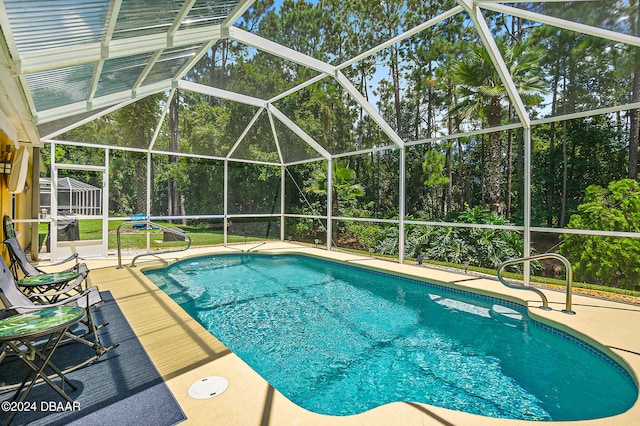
column 122, row 387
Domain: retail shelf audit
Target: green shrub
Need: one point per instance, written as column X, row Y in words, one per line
column 596, row 259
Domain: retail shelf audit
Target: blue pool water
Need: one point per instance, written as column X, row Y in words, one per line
column 341, row 340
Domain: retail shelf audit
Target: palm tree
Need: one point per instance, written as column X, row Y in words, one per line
column 344, row 186
column 482, row 95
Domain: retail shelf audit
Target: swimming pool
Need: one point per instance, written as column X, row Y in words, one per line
column 340, row 340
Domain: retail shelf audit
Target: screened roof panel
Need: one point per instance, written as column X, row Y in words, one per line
column 583, row 72
column 258, row 144
column 293, row 148
column 40, row 24
column 60, row 87
column 275, row 75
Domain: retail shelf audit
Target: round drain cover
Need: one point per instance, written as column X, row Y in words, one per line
column 208, row 387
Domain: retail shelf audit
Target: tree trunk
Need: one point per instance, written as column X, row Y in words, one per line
column 395, row 74
column 494, row 165
column 212, row 71
column 634, row 130
column 509, row 164
column 564, row 154
column 172, row 184
column 552, row 148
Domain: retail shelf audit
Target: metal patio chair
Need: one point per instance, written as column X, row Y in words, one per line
column 16, row 301
column 19, row 261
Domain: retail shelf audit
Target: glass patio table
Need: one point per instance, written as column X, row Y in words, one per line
column 20, row 332
column 45, row 282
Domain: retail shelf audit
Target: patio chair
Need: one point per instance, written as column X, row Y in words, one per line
column 19, row 261
column 16, row 301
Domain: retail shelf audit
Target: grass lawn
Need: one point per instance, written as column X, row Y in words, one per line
column 91, row 229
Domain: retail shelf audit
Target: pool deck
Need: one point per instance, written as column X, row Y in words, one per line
column 184, row 352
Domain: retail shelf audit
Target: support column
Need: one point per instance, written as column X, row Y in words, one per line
column 226, row 200
column 35, row 202
column 104, row 203
column 401, row 202
column 282, row 200
column 526, row 252
column 148, row 208
column 329, row 202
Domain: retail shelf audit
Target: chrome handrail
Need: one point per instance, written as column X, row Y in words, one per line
column 150, row 225
column 545, row 302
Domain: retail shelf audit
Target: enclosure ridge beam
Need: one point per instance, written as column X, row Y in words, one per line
column 498, row 62
column 564, row 24
column 280, row 51
column 375, row 116
column 298, row 131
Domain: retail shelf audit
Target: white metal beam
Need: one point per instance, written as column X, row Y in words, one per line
column 177, row 21
column 280, row 51
column 95, row 79
column 498, row 62
column 298, row 131
column 428, row 24
column 191, row 62
column 7, row 34
column 564, row 24
column 375, row 116
column 147, row 69
column 244, row 132
column 222, row 94
column 237, row 13
column 14, row 103
column 112, row 19
column 298, row 87
column 156, row 132
column 275, row 136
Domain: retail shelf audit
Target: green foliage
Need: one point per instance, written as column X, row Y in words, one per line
column 607, row 260
column 433, row 167
column 367, row 235
column 344, row 187
column 479, row 246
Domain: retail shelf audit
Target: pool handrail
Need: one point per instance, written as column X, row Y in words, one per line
column 148, row 225
column 545, row 302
